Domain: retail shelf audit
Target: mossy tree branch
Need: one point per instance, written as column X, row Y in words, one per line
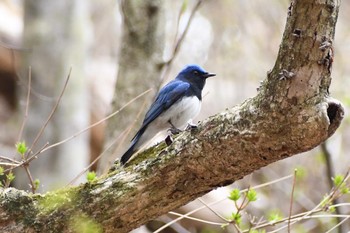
column 291, row 113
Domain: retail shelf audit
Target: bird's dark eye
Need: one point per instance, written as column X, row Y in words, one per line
column 195, row 72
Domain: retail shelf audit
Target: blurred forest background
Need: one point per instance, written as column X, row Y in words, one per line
column 236, row 39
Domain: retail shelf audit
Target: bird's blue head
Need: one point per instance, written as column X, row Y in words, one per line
column 195, row 75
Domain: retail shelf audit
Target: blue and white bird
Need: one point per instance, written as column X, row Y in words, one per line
column 177, row 103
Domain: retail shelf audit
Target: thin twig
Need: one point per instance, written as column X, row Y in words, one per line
column 114, row 141
column 9, row 159
column 306, row 215
column 177, row 219
column 39, row 151
column 20, row 79
column 340, row 204
column 291, row 199
column 167, row 64
column 127, row 132
column 197, row 219
column 26, row 168
column 296, row 218
column 87, row 128
column 26, row 161
column 52, row 112
column 329, row 164
column 182, row 10
column 330, row 173
column 237, row 227
column 97, row 158
column 330, row 196
column 8, row 164
column 183, row 35
column 212, row 210
column 244, row 202
column 330, row 216
column 339, row 224
column 223, row 199
column 25, row 117
column 268, row 183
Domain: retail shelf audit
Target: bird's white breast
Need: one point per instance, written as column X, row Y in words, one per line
column 183, row 111
column 180, row 114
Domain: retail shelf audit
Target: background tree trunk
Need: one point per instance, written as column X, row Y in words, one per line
column 55, row 42
column 139, row 69
column 292, row 113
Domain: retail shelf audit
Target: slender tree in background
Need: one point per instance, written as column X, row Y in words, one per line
column 54, row 42
column 139, row 67
column 291, row 113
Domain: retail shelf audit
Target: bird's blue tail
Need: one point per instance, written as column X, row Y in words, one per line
column 127, row 155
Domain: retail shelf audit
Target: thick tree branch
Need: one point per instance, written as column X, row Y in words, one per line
column 292, row 113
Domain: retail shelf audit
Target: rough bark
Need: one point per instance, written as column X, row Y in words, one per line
column 140, row 60
column 291, row 113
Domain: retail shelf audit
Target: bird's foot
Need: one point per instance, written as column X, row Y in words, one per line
column 168, row 140
column 174, row 131
column 191, row 127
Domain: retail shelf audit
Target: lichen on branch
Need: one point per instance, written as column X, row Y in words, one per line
column 291, row 113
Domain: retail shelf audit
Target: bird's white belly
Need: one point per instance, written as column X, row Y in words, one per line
column 182, row 112
column 179, row 114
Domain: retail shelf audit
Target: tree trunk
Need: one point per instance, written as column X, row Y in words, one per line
column 54, row 38
column 139, row 65
column 291, row 113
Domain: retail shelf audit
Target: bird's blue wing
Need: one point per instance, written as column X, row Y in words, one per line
column 167, row 96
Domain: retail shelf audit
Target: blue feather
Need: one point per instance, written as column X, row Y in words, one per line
column 188, row 83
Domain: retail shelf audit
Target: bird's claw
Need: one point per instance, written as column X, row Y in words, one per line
column 174, row 131
column 191, row 127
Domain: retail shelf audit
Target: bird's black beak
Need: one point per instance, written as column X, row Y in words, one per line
column 207, row 75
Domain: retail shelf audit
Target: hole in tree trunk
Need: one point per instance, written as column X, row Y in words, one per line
column 335, row 113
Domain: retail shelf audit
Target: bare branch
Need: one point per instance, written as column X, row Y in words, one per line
column 25, row 117
column 292, row 199
column 122, row 135
column 167, row 65
column 52, row 113
column 286, row 117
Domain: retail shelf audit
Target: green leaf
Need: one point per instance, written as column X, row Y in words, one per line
column 224, row 226
column 301, row 172
column 274, row 216
column 21, row 147
column 331, row 209
column 36, row 184
column 344, row 190
column 325, row 201
column 252, row 195
column 235, row 194
column 1, row 171
column 256, row 231
column 10, row 177
column 91, row 176
column 237, row 218
column 338, row 180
